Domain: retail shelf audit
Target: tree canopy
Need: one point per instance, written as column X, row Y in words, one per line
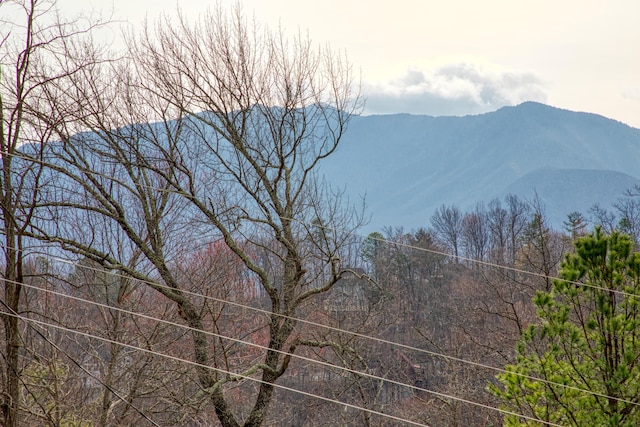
column 580, row 364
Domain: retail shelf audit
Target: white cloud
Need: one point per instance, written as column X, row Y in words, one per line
column 453, row 89
column 631, row 93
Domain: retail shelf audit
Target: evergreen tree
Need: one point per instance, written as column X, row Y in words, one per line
column 575, row 225
column 581, row 364
column 372, row 250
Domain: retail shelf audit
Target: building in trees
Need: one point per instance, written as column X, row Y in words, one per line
column 349, row 294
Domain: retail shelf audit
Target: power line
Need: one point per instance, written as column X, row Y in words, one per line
column 185, row 361
column 229, row 373
column 307, row 359
column 78, row 364
column 359, row 335
column 488, row 264
column 460, row 360
column 356, row 334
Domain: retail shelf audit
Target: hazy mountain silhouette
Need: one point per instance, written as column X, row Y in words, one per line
column 409, row 165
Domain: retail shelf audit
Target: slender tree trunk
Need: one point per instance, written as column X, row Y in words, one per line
column 201, row 356
column 12, row 290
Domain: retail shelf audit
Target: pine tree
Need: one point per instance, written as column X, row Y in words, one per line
column 580, row 365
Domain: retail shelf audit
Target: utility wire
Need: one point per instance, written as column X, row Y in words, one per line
column 382, row 240
column 380, row 340
column 360, row 335
column 236, row 375
column 306, row 359
column 352, row 333
column 220, row 370
column 485, row 263
column 75, row 362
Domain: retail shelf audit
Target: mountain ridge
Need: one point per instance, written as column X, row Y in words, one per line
column 408, row 165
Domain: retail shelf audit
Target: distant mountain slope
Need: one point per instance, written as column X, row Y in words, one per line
column 582, row 187
column 409, row 165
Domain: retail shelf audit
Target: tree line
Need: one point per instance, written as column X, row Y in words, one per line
column 500, row 286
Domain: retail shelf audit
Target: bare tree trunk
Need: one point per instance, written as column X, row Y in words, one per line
column 245, row 118
column 34, row 61
column 13, row 289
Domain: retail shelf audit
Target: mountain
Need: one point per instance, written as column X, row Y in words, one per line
column 409, row 165
column 566, row 190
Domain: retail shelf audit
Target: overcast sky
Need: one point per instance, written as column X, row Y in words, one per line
column 462, row 56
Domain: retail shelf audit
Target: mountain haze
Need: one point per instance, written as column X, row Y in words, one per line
column 408, row 165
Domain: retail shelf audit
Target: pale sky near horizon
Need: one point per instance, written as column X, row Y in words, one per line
column 460, row 56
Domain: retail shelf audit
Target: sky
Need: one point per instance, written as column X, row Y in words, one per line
column 458, row 57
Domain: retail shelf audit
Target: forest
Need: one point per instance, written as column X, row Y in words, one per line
column 170, row 257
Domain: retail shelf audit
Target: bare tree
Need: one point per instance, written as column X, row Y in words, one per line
column 446, row 223
column 603, row 218
column 476, row 233
column 628, row 208
column 526, row 242
column 261, row 114
column 243, row 117
column 543, row 248
column 517, row 220
column 38, row 51
column 497, row 222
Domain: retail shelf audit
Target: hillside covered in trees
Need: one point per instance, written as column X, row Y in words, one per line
column 171, row 255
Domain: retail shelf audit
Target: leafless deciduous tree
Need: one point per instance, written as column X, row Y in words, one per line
column 37, row 51
column 446, row 223
column 476, row 233
column 543, row 247
column 242, row 118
